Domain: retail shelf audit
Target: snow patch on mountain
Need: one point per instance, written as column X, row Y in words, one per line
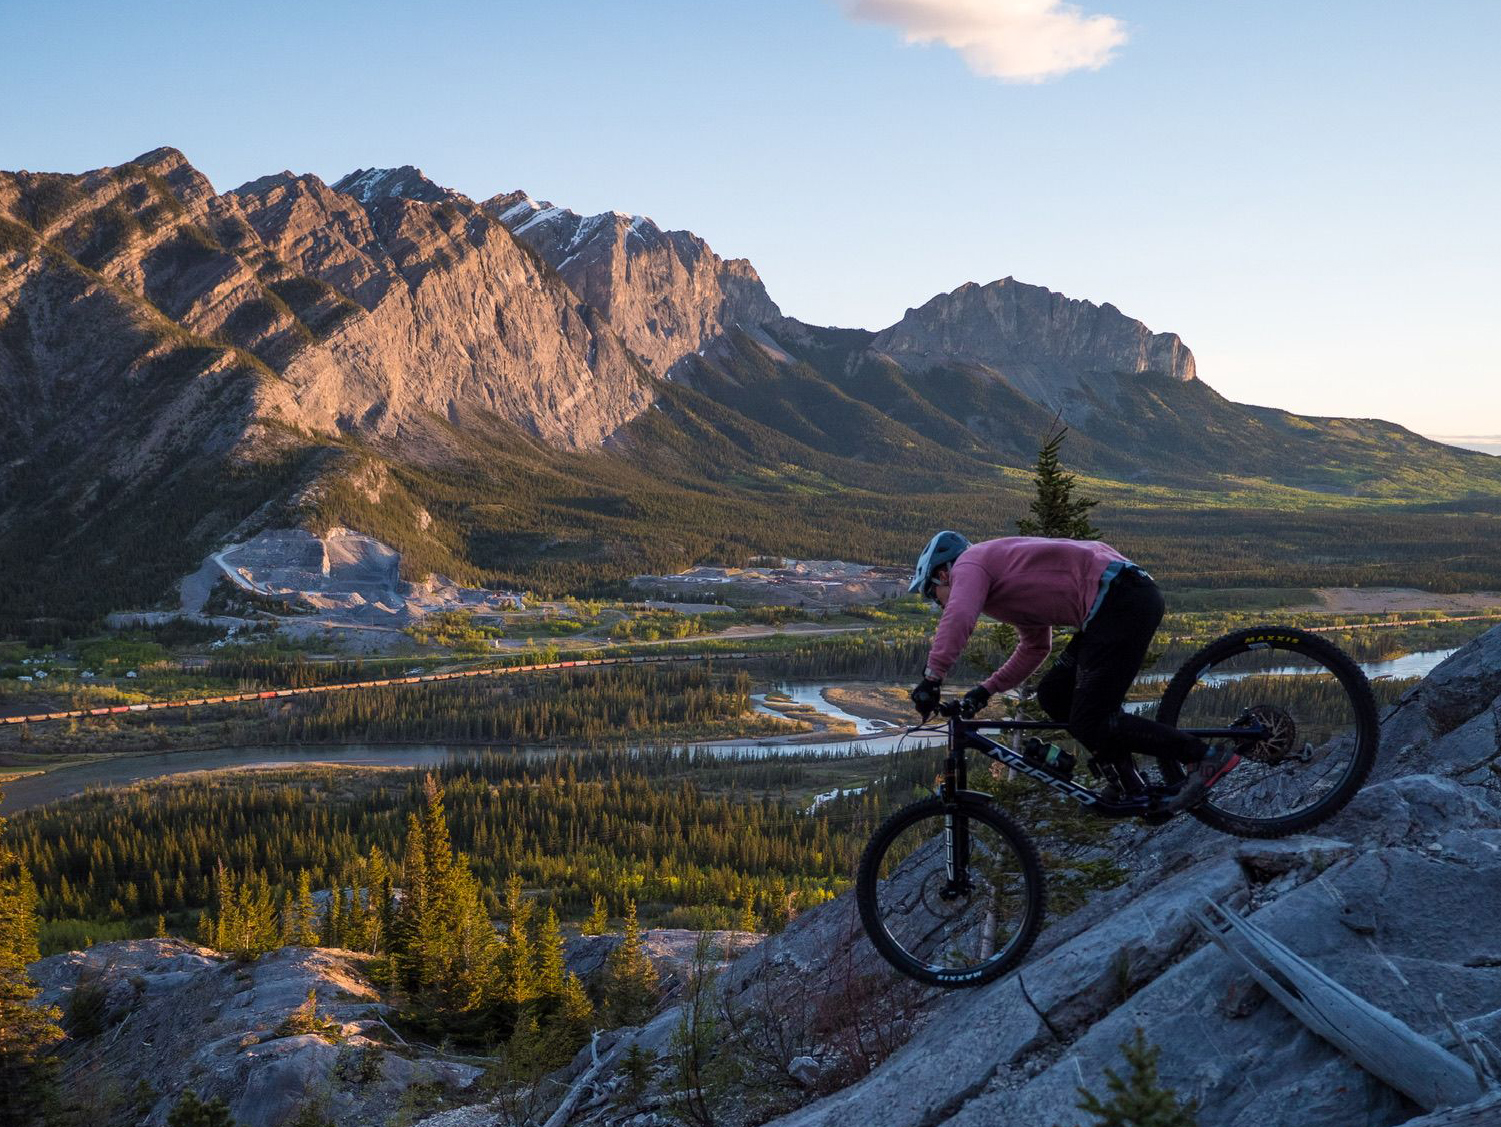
column 406, row 183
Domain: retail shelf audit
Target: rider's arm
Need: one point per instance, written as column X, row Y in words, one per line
column 969, row 584
column 1033, row 644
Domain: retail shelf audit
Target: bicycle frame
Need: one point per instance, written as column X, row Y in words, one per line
column 965, row 734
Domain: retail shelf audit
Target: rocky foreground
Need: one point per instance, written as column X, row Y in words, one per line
column 1395, row 899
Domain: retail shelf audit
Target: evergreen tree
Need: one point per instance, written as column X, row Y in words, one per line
column 748, row 920
column 599, row 918
column 1139, row 1099
column 288, row 918
column 444, row 949
column 519, row 967
column 468, row 976
column 245, row 924
column 406, row 942
column 636, row 1067
column 27, row 1033
column 333, row 922
column 304, row 928
column 1056, row 512
column 630, row 978
column 576, row 1012
column 190, row 1111
column 550, row 969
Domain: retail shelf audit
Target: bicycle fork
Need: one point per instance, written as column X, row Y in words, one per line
column 955, row 829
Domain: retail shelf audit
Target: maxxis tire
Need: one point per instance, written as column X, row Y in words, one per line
column 866, row 880
column 1350, row 677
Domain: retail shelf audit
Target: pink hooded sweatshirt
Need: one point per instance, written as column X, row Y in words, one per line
column 1031, row 582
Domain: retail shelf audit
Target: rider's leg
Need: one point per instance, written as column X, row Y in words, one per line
column 1111, row 651
column 1055, row 692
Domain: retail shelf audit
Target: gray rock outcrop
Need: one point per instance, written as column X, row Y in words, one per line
column 183, row 1017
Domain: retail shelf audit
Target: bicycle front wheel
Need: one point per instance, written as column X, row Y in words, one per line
column 1318, row 714
column 951, row 894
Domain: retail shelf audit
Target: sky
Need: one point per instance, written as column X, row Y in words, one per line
column 1306, row 193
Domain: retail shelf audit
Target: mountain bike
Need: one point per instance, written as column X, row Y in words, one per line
column 951, row 889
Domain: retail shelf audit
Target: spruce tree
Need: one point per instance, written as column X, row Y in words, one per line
column 333, row 923
column 748, row 920
column 469, row 976
column 599, row 918
column 304, row 913
column 245, row 923
column 1139, row 1099
column 445, row 954
column 576, row 1012
column 520, row 969
column 410, row 921
column 1056, row 512
column 630, row 978
column 550, row 969
column 27, row 1033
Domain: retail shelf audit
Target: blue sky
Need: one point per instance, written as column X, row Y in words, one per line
column 1305, row 192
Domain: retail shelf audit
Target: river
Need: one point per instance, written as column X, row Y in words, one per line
column 873, row 737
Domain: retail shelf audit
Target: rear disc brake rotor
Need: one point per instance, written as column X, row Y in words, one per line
column 1281, row 739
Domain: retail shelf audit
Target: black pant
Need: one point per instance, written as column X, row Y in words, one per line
column 1088, row 683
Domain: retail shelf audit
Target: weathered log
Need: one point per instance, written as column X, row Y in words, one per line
column 1484, row 1112
column 564, row 1110
column 1383, row 1045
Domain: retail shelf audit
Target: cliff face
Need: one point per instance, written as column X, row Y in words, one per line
column 340, row 315
column 665, row 292
column 1044, row 344
column 134, row 341
column 457, row 317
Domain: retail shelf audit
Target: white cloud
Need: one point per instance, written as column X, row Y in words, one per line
column 1013, row 40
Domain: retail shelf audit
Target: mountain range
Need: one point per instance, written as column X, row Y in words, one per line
column 510, row 391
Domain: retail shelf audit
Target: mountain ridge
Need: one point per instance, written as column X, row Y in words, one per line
column 408, row 362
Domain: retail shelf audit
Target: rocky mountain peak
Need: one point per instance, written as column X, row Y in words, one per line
column 406, row 183
column 1041, row 342
column 665, row 292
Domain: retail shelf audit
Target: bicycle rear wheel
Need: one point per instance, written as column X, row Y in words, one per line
column 950, row 894
column 1318, row 714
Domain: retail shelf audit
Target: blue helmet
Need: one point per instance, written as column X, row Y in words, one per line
column 944, row 548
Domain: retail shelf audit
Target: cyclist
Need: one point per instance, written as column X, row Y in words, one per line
column 1036, row 583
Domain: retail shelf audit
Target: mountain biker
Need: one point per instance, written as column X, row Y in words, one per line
column 1036, row 583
